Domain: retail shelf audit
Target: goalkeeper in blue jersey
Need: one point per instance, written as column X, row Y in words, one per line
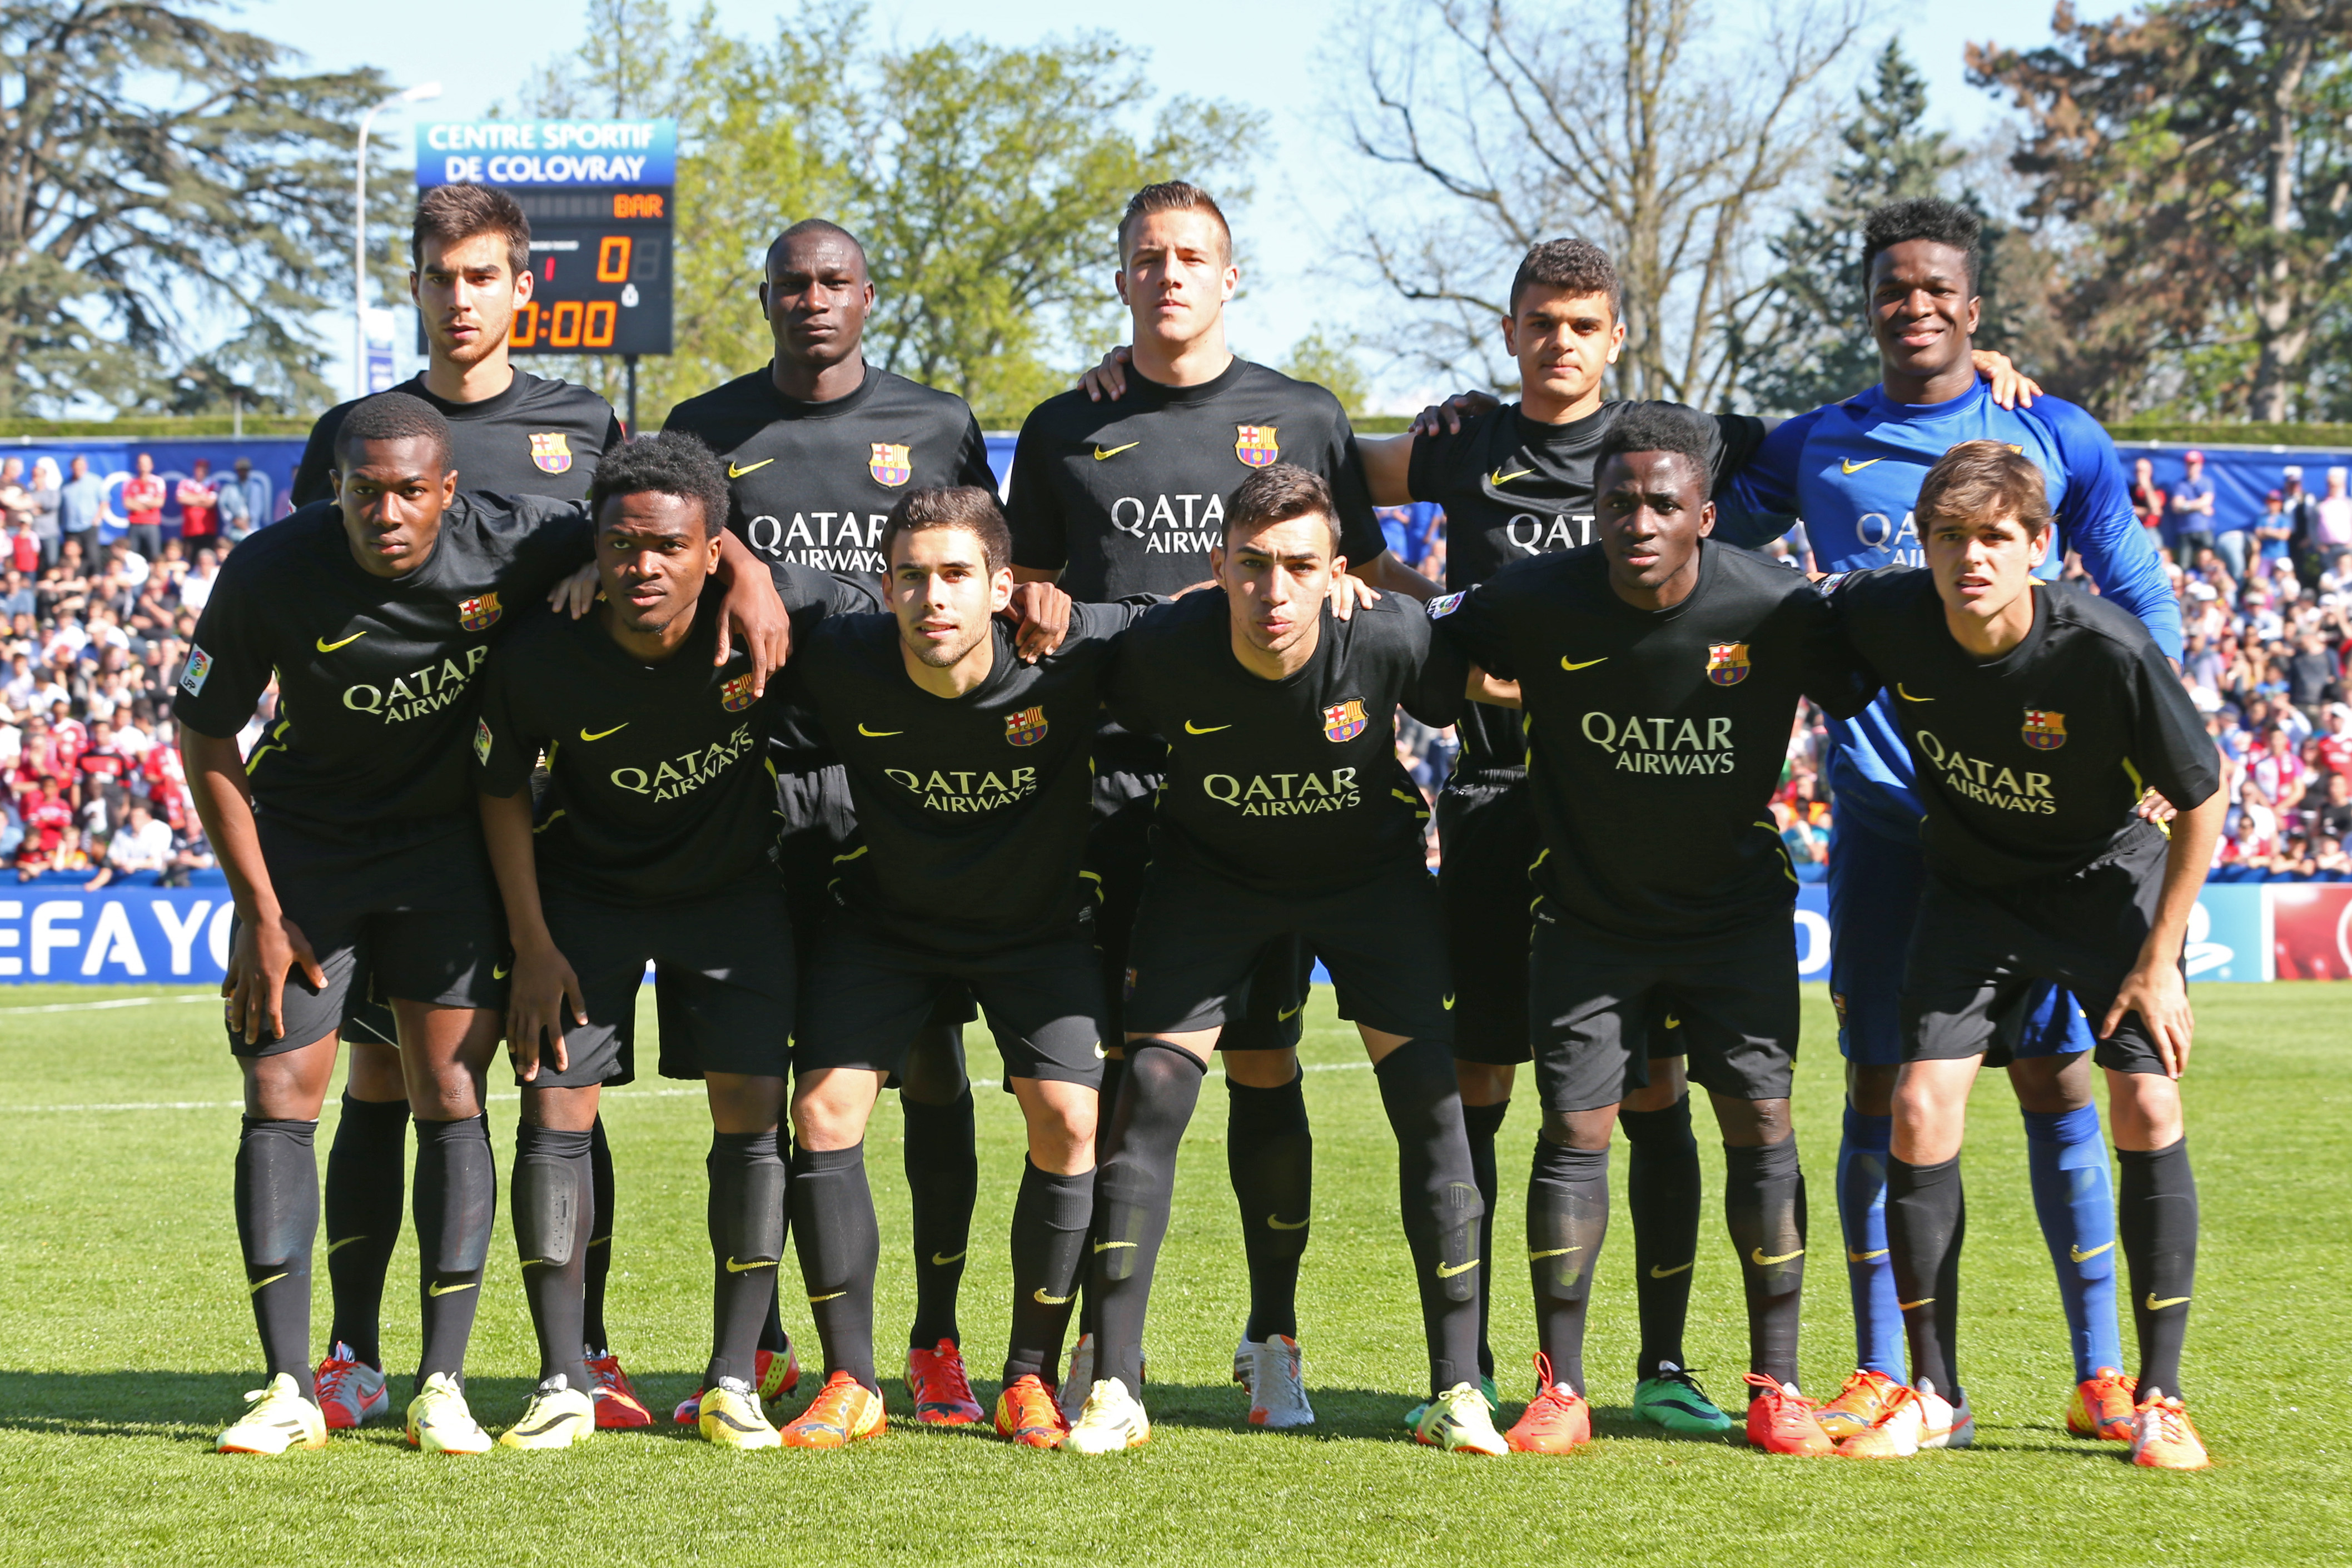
column 1851, row 471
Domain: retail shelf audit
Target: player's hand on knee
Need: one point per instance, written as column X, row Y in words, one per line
column 544, row 1002
column 1041, row 619
column 1446, row 418
column 1107, row 383
column 254, row 985
column 2011, row 387
column 2157, row 992
column 1348, row 592
column 576, row 594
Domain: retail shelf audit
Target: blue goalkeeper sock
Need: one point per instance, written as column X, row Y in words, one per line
column 2075, row 1202
column 1862, row 1216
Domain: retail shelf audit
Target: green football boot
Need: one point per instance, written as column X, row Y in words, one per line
column 1673, row 1399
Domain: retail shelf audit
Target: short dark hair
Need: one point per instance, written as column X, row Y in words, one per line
column 670, row 464
column 1173, row 196
column 1573, row 265
column 393, row 416
column 1277, row 493
column 1660, row 427
column 453, row 213
column 812, row 226
column 967, row 506
column 1921, row 217
column 1980, row 479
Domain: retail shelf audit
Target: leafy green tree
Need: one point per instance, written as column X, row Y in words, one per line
column 1327, row 355
column 174, row 209
column 985, row 182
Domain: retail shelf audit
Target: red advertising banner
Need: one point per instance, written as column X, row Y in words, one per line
column 2311, row 930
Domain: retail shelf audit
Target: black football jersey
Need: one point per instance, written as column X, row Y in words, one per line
column 1511, row 487
column 1288, row 785
column 539, row 437
column 1655, row 738
column 374, row 673
column 2030, row 764
column 659, row 781
column 971, row 811
column 813, row 482
column 1127, row 497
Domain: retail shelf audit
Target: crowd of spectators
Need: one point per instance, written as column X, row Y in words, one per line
column 99, row 592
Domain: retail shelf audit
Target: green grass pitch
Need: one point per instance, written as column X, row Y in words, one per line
column 125, row 1341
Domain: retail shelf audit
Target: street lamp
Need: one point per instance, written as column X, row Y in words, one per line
column 417, row 94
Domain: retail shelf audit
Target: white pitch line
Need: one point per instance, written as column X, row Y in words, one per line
column 495, row 1099
column 117, row 1002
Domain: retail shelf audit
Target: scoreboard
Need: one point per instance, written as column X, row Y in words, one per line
column 601, row 200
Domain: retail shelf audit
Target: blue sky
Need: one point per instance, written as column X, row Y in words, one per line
column 480, row 54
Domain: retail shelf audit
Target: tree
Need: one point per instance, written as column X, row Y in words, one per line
column 174, row 209
column 1806, row 344
column 2189, row 163
column 1326, row 357
column 1641, row 125
column 985, row 182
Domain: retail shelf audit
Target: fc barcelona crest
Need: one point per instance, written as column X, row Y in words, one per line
column 1727, row 664
column 2045, row 730
column 1344, row 721
column 736, row 694
column 1254, row 444
column 481, row 614
column 551, row 452
column 1026, row 727
column 892, row 465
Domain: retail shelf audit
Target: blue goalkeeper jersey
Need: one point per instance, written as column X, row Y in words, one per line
column 1853, row 470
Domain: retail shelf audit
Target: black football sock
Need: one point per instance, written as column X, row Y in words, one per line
column 1437, row 1195
column 1134, row 1188
column 840, row 1247
column 747, row 1247
column 773, row 1338
column 366, row 1169
column 455, row 1198
column 2157, row 1220
column 1662, row 1193
column 553, row 1198
column 1764, row 1204
column 1270, row 1156
column 1926, row 1220
column 943, row 1180
column 1479, row 1125
column 1049, row 1240
column 1567, row 1216
column 276, row 1223
column 599, row 1266
column 1089, row 1311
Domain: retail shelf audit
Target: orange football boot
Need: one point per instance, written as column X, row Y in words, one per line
column 1861, row 1405
column 1027, row 1413
column 2102, row 1407
column 1557, row 1420
column 844, row 1411
column 1781, row 1421
column 618, row 1409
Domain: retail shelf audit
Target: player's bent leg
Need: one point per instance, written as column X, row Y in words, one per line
column 943, row 1165
column 1270, row 1161
column 1928, row 1221
column 366, row 1173
column 2157, row 1220
column 553, row 1197
column 446, row 1055
column 1568, row 1218
column 2073, row 1199
column 1438, row 1199
column 1662, row 1194
column 840, row 1246
column 1050, row 1218
column 277, row 1205
column 746, row 1245
column 1764, row 1208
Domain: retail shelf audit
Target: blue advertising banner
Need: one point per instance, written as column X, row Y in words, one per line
column 547, row 152
column 2242, row 475
column 54, row 933
column 273, row 459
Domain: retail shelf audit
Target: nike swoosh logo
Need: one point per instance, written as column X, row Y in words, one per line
column 1585, row 665
column 1101, row 454
column 939, row 1262
column 1100, row 1054
column 1044, row 1300
column 534, row 1263
column 1555, row 1252
column 1658, row 1273
column 1756, row 1255
column 327, row 647
column 735, row 1268
column 735, row 472
column 603, row 733
column 1445, row 1273
column 255, row 1288
column 1851, row 466
column 1286, row 1014
column 1854, row 1256
column 2080, row 1256
column 1908, row 697
column 1906, row 1306
column 1106, row 1246
column 1673, row 1022
column 878, row 734
column 1498, row 477
column 335, row 1246
column 1449, row 1001
column 1191, row 728
column 1275, row 1222
column 2156, row 1306
column 498, row 972
column 835, row 1297
column 440, row 1290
